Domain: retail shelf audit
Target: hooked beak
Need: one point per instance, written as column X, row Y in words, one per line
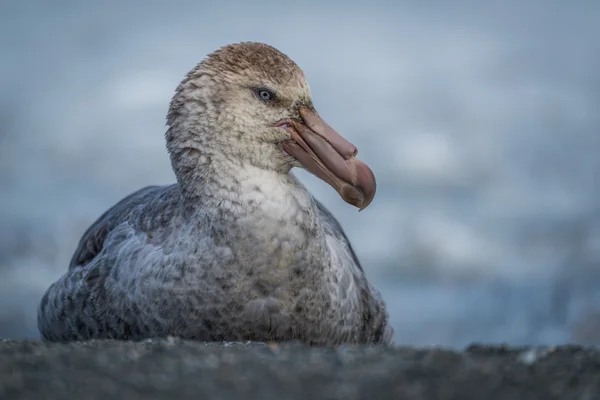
column 326, row 154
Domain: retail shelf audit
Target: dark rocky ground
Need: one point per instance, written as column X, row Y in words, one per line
column 176, row 369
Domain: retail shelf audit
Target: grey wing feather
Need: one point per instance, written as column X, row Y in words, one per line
column 72, row 308
column 92, row 241
column 335, row 229
column 375, row 317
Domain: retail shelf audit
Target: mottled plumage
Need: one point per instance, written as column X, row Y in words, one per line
column 237, row 249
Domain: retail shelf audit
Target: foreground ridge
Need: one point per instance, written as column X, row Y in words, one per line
column 173, row 368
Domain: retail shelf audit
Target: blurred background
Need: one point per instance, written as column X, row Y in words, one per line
column 481, row 121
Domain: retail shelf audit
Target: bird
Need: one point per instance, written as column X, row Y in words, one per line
column 237, row 249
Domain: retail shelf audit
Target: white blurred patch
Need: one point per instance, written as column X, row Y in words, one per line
column 452, row 246
column 144, row 89
column 427, row 158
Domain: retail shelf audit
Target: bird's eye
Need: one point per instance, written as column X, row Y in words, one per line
column 265, row 95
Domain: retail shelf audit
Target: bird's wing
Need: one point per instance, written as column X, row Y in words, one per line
column 93, row 239
column 375, row 317
column 333, row 228
column 72, row 307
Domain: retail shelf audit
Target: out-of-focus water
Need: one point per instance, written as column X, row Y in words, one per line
column 480, row 120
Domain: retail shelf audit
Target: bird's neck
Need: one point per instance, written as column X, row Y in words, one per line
column 217, row 186
column 257, row 212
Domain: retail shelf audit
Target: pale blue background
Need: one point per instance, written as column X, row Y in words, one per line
column 480, row 119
